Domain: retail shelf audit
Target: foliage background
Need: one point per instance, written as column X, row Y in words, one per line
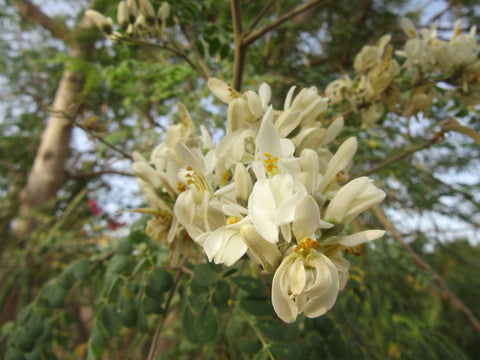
column 81, row 284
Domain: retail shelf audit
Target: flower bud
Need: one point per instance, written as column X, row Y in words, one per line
column 132, row 11
column 147, row 10
column 163, row 12
column 122, row 15
column 100, row 20
column 243, row 184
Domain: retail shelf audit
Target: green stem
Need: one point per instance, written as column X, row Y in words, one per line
column 265, row 345
column 158, row 330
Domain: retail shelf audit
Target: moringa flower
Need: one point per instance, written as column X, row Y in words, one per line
column 306, row 281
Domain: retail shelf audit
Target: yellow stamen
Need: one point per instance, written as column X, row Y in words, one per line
column 226, row 176
column 232, row 220
column 270, row 161
column 307, row 244
column 181, row 186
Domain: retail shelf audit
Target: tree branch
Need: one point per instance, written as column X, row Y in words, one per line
column 442, row 286
column 298, row 10
column 437, row 137
column 258, row 18
column 57, row 29
column 240, row 48
column 199, row 58
column 99, row 138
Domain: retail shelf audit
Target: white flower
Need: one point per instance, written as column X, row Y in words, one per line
column 272, row 204
column 306, row 281
column 355, row 197
column 224, row 245
column 341, row 161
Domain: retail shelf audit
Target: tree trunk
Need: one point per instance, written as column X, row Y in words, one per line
column 48, row 175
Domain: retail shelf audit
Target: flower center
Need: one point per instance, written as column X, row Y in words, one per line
column 270, row 161
column 307, row 245
column 233, row 220
column 198, row 182
column 181, row 187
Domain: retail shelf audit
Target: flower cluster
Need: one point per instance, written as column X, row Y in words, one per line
column 269, row 189
column 135, row 18
column 427, row 61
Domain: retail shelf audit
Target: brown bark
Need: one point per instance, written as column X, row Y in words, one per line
column 47, row 175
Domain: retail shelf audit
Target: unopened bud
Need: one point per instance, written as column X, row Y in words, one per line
column 163, row 12
column 132, row 11
column 146, row 9
column 141, row 23
column 122, row 15
column 104, row 24
column 243, row 184
column 262, row 251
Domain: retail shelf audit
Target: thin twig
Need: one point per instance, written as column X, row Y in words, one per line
column 87, row 175
column 105, row 142
column 298, row 10
column 240, row 49
column 442, row 286
column 258, row 18
column 176, row 51
column 199, row 58
column 437, row 137
column 158, row 330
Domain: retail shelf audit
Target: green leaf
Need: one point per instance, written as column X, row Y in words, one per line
column 206, row 324
column 250, row 285
column 119, row 263
column 79, row 268
column 188, row 325
column 14, row 354
column 109, row 320
column 96, row 337
column 271, row 329
column 262, row 355
column 286, row 351
column 33, row 355
column 257, row 306
column 36, row 325
column 138, row 236
column 250, row 346
column 25, row 340
column 159, row 280
column 203, row 275
column 94, row 352
column 153, row 305
column 126, row 312
column 54, row 294
column 221, row 296
column 197, row 301
column 215, row 267
column 142, row 323
column 125, row 246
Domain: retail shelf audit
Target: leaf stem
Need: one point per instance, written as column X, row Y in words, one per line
column 158, row 330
